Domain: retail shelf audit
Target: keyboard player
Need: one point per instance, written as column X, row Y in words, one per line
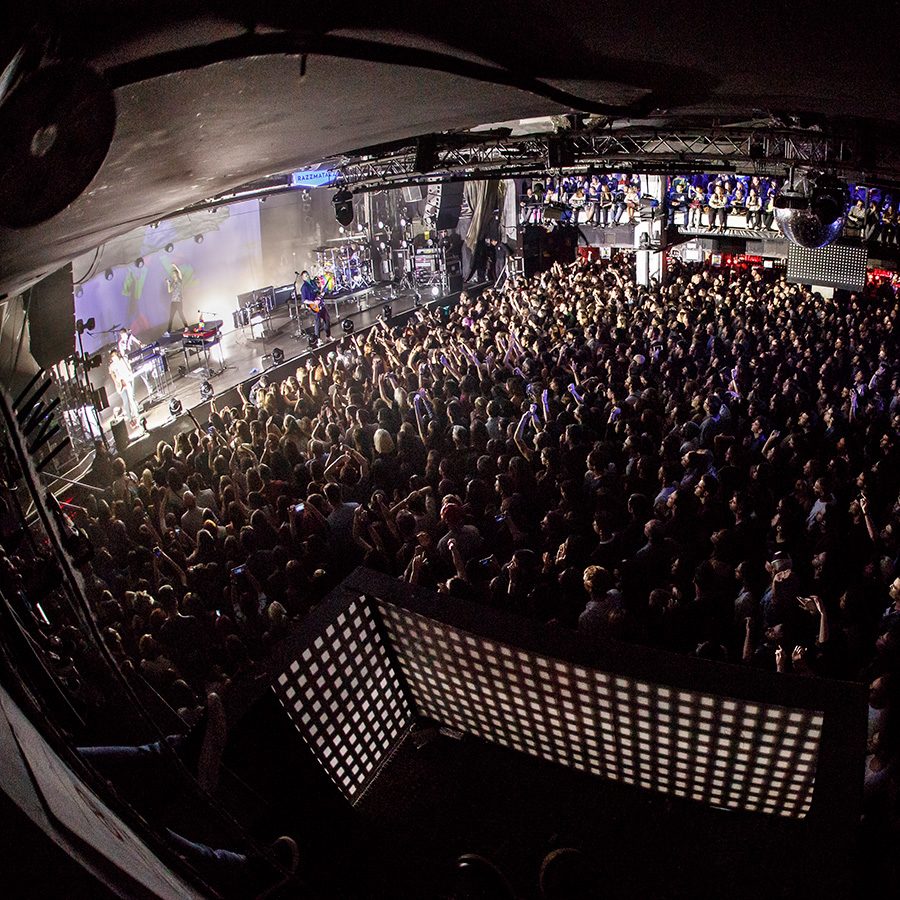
column 127, row 344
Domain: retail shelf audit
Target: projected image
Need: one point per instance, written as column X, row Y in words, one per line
column 218, row 253
column 344, row 697
column 718, row 750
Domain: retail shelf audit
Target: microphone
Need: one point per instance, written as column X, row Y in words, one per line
column 296, row 273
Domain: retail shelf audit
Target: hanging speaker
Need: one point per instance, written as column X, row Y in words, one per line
column 56, row 127
column 50, row 306
column 446, row 201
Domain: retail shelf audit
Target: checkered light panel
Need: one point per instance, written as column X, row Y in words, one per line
column 721, row 751
column 836, row 265
column 344, row 697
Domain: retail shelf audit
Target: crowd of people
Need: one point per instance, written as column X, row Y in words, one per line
column 708, row 466
column 697, row 202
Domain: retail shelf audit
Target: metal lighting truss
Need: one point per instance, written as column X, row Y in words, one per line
column 748, row 150
column 463, row 156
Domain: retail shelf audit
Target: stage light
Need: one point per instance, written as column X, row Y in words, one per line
column 403, row 223
column 206, row 391
column 79, row 291
column 277, row 356
column 347, row 325
column 170, row 248
column 108, row 274
column 380, row 224
column 175, row 406
column 435, row 291
column 386, row 310
column 198, row 238
column 154, row 224
column 382, row 245
column 343, row 206
column 139, row 262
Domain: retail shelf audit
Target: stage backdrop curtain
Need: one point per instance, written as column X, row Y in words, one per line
column 483, row 198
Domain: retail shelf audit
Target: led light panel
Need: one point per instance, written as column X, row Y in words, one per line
column 718, row 750
column 344, row 697
column 837, row 266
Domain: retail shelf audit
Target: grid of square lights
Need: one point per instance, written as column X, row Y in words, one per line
column 344, row 697
column 725, row 752
column 834, row 265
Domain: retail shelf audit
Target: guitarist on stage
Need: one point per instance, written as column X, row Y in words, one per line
column 310, row 295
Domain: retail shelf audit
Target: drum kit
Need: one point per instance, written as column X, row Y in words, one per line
column 345, row 267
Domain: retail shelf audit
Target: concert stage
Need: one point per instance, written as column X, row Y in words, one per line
column 246, row 358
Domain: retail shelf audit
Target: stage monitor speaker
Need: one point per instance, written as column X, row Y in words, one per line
column 412, row 194
column 446, row 201
column 119, row 431
column 455, row 283
column 51, row 317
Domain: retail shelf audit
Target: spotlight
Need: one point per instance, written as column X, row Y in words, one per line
column 380, row 224
column 277, row 356
column 198, row 238
column 79, row 291
column 435, row 291
column 169, row 248
column 381, row 245
column 347, row 325
column 139, row 262
column 386, row 310
column 175, row 406
column 343, row 207
column 403, row 223
column 341, row 229
column 108, row 274
column 206, row 391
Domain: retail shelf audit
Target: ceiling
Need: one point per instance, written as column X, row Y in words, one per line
column 212, row 95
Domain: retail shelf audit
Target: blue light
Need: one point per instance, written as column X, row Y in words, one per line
column 310, row 178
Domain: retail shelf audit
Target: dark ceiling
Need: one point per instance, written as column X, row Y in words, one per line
column 211, row 95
